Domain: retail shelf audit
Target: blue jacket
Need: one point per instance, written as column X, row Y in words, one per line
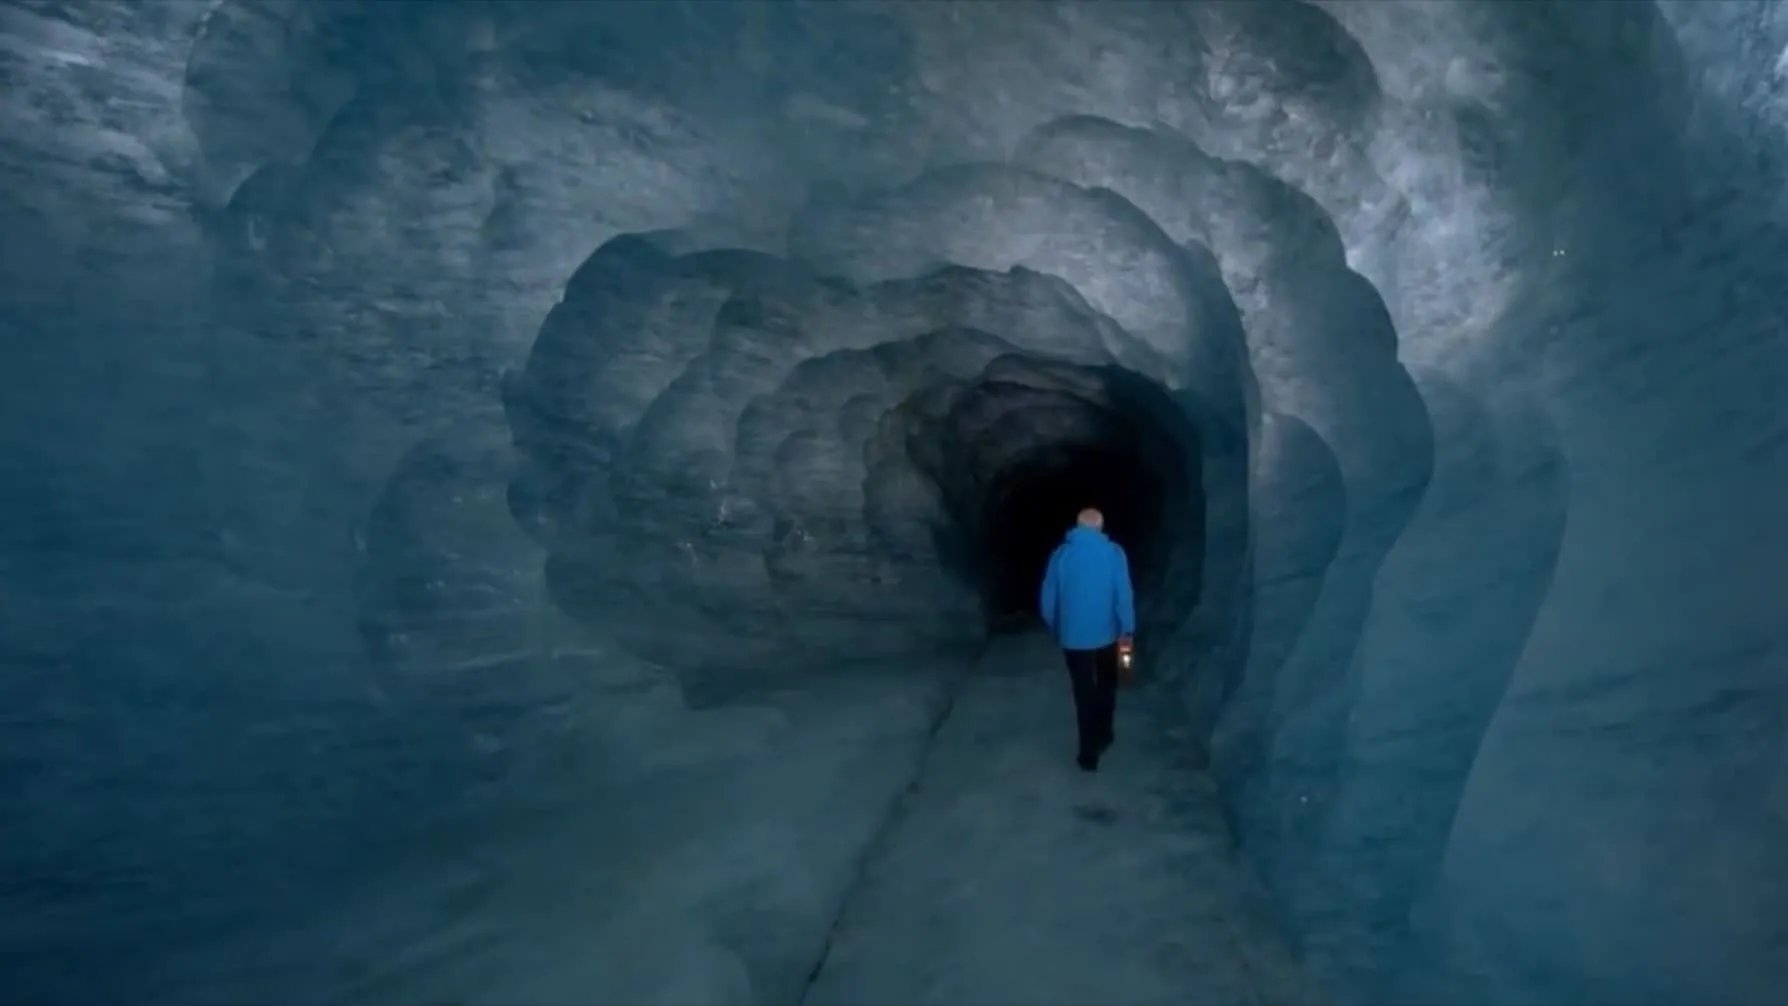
column 1087, row 601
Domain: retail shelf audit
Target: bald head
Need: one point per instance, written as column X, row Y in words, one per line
column 1091, row 517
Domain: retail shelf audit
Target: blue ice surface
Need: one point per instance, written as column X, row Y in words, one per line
column 297, row 704
column 1007, row 874
column 623, row 848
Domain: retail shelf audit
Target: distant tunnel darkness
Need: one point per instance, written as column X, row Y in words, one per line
column 1118, row 458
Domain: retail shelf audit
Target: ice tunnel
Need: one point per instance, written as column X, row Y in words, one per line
column 542, row 502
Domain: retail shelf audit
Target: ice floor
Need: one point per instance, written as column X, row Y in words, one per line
column 1006, row 875
column 889, row 837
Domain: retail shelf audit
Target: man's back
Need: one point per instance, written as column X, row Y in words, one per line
column 1086, row 597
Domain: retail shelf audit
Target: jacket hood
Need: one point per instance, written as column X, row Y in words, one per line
column 1082, row 531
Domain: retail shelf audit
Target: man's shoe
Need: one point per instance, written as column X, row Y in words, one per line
column 1088, row 763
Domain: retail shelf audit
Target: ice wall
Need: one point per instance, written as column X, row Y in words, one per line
column 414, row 414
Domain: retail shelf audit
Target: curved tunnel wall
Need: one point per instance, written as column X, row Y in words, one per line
column 694, row 339
column 808, row 469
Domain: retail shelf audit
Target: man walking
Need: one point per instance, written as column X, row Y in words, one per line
column 1090, row 609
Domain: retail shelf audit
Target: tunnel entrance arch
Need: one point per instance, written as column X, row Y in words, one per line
column 1033, row 442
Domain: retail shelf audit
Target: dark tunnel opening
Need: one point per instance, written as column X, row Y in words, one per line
column 1032, row 505
column 1063, row 439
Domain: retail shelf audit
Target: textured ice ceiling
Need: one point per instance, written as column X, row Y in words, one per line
column 378, row 376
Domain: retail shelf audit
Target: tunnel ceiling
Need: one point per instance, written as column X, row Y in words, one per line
column 761, row 298
column 772, row 296
column 1412, row 142
column 786, row 245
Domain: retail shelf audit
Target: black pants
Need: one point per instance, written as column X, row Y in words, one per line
column 1094, row 673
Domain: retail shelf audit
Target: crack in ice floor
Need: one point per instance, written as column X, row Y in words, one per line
column 1004, row 875
column 895, row 815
